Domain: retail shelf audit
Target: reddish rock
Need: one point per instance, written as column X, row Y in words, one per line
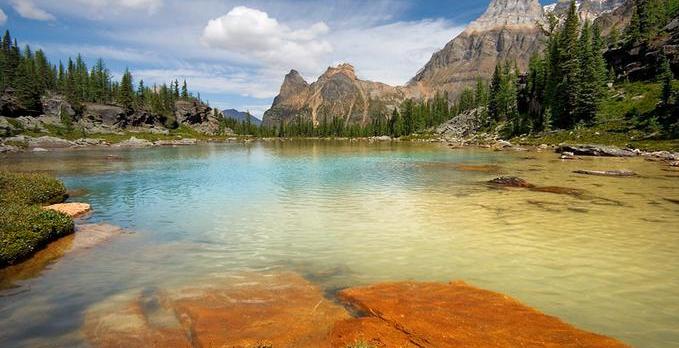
column 281, row 310
column 458, row 315
column 488, row 168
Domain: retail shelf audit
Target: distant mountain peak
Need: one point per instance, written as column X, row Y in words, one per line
column 508, row 13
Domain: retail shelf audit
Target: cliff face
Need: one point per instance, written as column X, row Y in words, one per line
column 508, row 30
column 338, row 93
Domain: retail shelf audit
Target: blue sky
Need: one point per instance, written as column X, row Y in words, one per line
column 235, row 53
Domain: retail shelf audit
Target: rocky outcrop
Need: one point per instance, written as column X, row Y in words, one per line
column 507, row 31
column 196, row 115
column 641, row 61
column 595, row 150
column 10, row 105
column 338, row 93
column 461, row 126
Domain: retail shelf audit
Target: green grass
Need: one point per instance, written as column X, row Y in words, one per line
column 615, row 124
column 24, row 226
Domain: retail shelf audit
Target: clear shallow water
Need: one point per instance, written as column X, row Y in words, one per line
column 344, row 214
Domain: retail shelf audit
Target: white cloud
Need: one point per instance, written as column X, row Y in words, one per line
column 392, row 53
column 214, row 80
column 27, row 9
column 252, row 33
column 3, row 17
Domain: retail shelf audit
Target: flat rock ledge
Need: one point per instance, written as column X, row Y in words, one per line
column 71, row 209
column 286, row 310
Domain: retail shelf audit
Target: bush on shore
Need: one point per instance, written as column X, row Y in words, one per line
column 25, row 227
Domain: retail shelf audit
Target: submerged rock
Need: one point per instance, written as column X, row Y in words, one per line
column 282, row 310
column 409, row 314
column 510, row 181
column 71, row 209
column 484, row 168
column 606, row 172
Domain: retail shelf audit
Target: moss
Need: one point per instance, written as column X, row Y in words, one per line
column 25, row 227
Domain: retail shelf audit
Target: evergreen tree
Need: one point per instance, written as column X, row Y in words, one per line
column 566, row 101
column 588, row 82
column 126, row 91
column 665, row 77
column 185, row 91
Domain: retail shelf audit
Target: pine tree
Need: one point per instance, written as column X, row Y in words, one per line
column 665, row 77
column 566, row 101
column 494, row 95
column 185, row 91
column 126, row 92
column 598, row 48
column 588, row 89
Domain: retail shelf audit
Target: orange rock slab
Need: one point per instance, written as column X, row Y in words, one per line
column 282, row 310
column 71, row 209
column 455, row 315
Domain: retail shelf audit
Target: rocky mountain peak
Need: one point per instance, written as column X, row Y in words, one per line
column 293, row 83
column 344, row 69
column 508, row 13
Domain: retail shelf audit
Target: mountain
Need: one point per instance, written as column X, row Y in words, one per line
column 338, row 93
column 588, row 9
column 508, row 30
column 241, row 116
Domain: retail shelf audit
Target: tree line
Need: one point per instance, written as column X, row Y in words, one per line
column 30, row 75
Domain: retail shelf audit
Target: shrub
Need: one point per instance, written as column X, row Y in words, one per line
column 25, row 227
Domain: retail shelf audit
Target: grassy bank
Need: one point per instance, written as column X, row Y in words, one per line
column 626, row 118
column 24, row 226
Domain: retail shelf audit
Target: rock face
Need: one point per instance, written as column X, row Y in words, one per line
column 461, row 126
column 508, row 30
column 641, row 61
column 338, row 93
column 196, row 115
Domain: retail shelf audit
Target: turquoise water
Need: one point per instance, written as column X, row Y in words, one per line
column 344, row 214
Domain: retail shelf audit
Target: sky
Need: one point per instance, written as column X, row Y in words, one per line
column 236, row 53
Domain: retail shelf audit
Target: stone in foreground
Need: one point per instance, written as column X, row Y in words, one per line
column 278, row 310
column 71, row 209
column 455, row 315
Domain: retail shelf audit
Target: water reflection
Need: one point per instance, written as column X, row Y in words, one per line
column 343, row 214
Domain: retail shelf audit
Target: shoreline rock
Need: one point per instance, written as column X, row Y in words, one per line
column 596, row 150
column 73, row 210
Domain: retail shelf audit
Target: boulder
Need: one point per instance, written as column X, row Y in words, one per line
column 134, row 142
column 8, row 148
column 674, row 164
column 101, row 114
column 595, row 150
column 622, row 173
column 71, row 209
column 84, row 142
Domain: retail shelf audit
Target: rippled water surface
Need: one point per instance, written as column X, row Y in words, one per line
column 344, row 214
